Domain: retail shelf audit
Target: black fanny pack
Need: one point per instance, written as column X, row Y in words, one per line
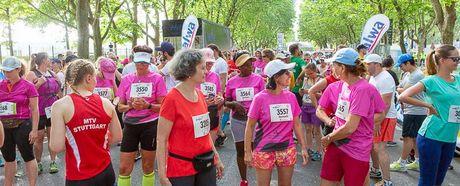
column 201, row 162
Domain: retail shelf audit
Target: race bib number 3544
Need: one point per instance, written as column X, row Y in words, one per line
column 139, row 90
column 280, row 112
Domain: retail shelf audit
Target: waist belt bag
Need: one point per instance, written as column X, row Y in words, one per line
column 201, row 162
column 11, row 123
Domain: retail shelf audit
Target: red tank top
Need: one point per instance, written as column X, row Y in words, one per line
column 87, row 148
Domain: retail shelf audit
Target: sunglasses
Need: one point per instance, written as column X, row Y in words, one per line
column 455, row 59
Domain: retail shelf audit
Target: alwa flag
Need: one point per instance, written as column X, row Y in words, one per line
column 375, row 27
column 189, row 29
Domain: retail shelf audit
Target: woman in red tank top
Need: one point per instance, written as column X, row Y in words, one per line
column 85, row 125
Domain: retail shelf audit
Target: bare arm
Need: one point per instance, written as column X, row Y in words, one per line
column 406, row 96
column 33, row 104
column 2, row 135
column 251, row 123
column 223, row 81
column 114, row 126
column 387, row 99
column 318, row 87
column 164, row 129
column 350, row 126
column 118, row 75
column 123, row 106
column 57, row 134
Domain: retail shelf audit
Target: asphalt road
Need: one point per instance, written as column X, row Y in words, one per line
column 308, row 175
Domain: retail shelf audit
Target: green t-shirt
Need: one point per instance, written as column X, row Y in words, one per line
column 445, row 97
column 299, row 65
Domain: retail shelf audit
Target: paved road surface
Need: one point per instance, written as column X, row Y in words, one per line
column 308, row 175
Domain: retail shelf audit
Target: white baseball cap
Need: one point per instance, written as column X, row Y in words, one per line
column 142, row 57
column 277, row 65
column 373, row 58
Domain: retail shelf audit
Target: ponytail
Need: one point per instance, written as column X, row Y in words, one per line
column 431, row 63
column 32, row 65
column 37, row 59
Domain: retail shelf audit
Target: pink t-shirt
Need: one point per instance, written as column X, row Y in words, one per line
column 361, row 99
column 158, row 88
column 211, row 84
column 103, row 83
column 275, row 115
column 332, row 91
column 19, row 95
column 241, row 85
column 259, row 66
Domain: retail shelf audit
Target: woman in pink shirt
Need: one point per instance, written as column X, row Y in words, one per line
column 348, row 147
column 212, row 91
column 19, row 116
column 276, row 113
column 239, row 94
column 105, row 78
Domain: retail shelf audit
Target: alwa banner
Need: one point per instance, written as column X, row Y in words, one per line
column 189, row 29
column 375, row 27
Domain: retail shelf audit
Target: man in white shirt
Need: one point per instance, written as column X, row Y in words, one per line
column 383, row 132
column 167, row 52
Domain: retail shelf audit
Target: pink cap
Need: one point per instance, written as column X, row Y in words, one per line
column 108, row 68
column 125, row 61
column 208, row 55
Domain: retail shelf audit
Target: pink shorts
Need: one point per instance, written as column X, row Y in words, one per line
column 338, row 164
column 266, row 160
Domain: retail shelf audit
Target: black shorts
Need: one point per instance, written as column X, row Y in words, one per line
column 145, row 133
column 105, row 178
column 43, row 121
column 205, row 178
column 18, row 137
column 411, row 125
column 213, row 116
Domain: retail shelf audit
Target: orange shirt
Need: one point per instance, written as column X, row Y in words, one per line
column 182, row 141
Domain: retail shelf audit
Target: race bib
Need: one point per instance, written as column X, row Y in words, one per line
column 280, row 112
column 7, row 108
column 454, row 114
column 139, row 90
column 208, row 88
column 258, row 70
column 48, row 112
column 104, row 92
column 244, row 94
column 201, row 125
column 342, row 109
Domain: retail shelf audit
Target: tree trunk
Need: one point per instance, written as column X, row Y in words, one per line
column 67, row 44
column 445, row 20
column 83, row 28
column 10, row 35
column 401, row 36
column 97, row 38
column 156, row 28
column 135, row 33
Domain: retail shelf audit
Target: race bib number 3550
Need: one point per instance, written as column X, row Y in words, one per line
column 7, row 108
column 454, row 114
column 280, row 112
column 139, row 90
column 201, row 125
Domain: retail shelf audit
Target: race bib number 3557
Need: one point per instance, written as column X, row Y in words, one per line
column 201, row 125
column 280, row 112
column 139, row 90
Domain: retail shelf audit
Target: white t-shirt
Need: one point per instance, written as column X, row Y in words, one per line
column 170, row 82
column 131, row 68
column 385, row 84
column 410, row 79
column 220, row 67
column 61, row 77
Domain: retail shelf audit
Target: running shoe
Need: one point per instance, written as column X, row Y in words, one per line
column 398, row 167
column 391, row 144
column 19, row 173
column 316, row 156
column 53, row 168
column 413, row 166
column 375, row 174
column 220, row 141
column 40, row 167
column 138, row 156
column 244, row 183
column 451, row 167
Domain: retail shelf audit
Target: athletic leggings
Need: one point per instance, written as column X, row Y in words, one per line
column 434, row 158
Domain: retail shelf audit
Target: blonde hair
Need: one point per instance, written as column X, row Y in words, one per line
column 432, row 59
column 77, row 70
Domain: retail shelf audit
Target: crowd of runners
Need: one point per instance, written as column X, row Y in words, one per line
column 171, row 109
